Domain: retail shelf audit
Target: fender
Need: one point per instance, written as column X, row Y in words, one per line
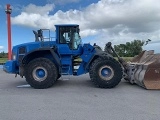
column 34, row 54
column 98, row 53
column 88, row 57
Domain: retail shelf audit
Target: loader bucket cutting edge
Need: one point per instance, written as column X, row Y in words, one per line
column 144, row 70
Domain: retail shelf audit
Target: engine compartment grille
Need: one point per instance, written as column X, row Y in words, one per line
column 22, row 50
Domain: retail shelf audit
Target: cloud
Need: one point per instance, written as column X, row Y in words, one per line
column 40, row 10
column 90, row 32
column 34, row 16
column 109, row 20
column 1, row 47
column 137, row 16
column 62, row 2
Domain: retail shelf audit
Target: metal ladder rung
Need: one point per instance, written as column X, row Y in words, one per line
column 67, row 73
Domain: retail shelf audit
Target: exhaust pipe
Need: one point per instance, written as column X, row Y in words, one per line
column 8, row 12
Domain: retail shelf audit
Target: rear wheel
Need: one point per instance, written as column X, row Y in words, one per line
column 105, row 72
column 41, row 73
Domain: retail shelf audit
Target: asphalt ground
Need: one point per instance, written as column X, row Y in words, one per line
column 76, row 99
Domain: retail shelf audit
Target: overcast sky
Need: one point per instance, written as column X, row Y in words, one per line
column 100, row 21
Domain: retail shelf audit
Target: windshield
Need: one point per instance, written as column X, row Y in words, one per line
column 70, row 35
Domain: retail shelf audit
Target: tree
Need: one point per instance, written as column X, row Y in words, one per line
column 3, row 55
column 129, row 49
column 120, row 49
column 136, row 47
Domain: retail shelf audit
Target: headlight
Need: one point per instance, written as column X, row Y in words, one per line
column 14, row 57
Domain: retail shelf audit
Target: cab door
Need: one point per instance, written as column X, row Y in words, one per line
column 69, row 41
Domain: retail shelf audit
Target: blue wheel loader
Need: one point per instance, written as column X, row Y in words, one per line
column 45, row 60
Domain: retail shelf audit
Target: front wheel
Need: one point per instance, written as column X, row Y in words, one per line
column 105, row 72
column 41, row 73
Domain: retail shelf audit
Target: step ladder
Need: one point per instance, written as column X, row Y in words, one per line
column 65, row 75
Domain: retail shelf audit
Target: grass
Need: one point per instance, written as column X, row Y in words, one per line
column 127, row 59
column 3, row 60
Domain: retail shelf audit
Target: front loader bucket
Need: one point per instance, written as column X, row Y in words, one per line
column 144, row 70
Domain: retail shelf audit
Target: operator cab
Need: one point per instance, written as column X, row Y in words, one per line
column 68, row 34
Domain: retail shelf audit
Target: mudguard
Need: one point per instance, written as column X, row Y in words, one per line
column 90, row 53
column 32, row 53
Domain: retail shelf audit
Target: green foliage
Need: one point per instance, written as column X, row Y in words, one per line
column 127, row 59
column 3, row 60
column 130, row 49
column 3, row 55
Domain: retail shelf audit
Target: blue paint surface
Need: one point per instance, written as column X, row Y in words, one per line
column 1, row 66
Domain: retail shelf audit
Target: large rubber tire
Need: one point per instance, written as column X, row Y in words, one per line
column 105, row 72
column 41, row 73
column 59, row 75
